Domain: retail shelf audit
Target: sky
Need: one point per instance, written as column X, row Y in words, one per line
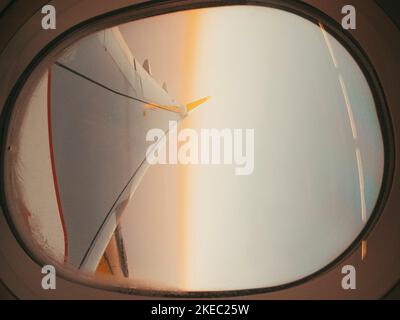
column 201, row 227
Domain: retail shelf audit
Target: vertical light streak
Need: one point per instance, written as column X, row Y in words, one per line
column 189, row 67
column 328, row 44
column 363, row 249
column 361, row 181
column 348, row 107
column 358, row 152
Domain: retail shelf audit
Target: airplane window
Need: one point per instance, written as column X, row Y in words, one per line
column 211, row 149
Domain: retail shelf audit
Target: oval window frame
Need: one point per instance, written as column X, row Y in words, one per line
column 144, row 10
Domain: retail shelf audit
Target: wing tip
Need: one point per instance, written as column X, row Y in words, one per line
column 192, row 105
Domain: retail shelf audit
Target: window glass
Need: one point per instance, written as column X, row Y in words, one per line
column 217, row 149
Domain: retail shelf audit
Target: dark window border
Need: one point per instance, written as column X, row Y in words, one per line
column 154, row 8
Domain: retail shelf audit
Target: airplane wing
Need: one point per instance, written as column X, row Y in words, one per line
column 98, row 98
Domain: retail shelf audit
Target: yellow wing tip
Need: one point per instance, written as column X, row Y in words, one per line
column 192, row 105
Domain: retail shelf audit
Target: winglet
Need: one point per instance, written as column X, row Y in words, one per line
column 178, row 109
column 192, row 105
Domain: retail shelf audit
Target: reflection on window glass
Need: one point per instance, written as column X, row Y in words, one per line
column 281, row 93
